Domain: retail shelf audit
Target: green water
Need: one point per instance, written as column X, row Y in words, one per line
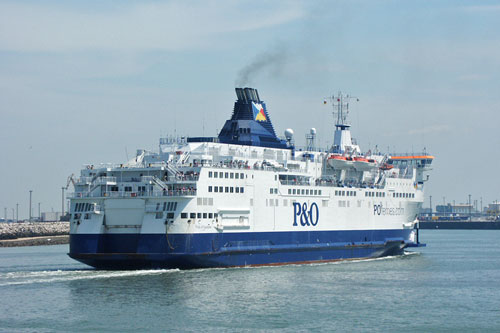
column 452, row 285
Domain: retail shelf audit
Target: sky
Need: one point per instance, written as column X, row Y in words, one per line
column 91, row 82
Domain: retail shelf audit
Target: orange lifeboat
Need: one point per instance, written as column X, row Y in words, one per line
column 362, row 163
column 386, row 166
column 338, row 161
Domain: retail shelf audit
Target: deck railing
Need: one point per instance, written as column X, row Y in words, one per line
column 126, row 194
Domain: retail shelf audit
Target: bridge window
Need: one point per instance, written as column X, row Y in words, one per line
column 216, row 189
column 205, row 215
column 231, row 189
column 210, row 174
column 221, row 189
column 215, row 174
column 184, row 215
column 241, row 189
column 210, row 215
column 170, row 215
column 221, row 174
column 210, row 189
column 237, row 190
column 227, row 189
column 199, row 215
column 236, row 175
column 227, row 174
column 192, row 215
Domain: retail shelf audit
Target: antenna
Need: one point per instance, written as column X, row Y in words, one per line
column 340, row 105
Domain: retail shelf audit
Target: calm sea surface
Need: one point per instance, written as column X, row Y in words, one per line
column 452, row 285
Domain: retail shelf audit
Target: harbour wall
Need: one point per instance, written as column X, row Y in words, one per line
column 472, row 225
column 33, row 233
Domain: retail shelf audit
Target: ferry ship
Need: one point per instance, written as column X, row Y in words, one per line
column 248, row 198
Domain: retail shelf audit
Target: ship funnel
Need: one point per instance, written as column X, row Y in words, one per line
column 250, row 123
column 247, row 94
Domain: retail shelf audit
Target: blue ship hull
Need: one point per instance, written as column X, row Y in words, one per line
column 186, row 251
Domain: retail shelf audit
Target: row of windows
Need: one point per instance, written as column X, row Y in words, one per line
column 403, row 195
column 229, row 175
column 198, row 215
column 303, row 191
column 79, row 215
column 159, row 215
column 227, row 189
column 375, row 194
column 346, row 193
column 84, row 207
column 115, row 188
column 273, row 191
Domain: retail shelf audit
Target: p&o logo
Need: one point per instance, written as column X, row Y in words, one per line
column 305, row 215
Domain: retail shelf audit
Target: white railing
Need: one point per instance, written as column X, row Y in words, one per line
column 125, row 194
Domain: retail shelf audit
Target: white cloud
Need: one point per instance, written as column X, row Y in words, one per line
column 165, row 26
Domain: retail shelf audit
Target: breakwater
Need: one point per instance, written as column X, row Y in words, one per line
column 33, row 233
column 472, row 225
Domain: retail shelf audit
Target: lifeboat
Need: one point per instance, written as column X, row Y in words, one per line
column 337, row 161
column 386, row 166
column 364, row 164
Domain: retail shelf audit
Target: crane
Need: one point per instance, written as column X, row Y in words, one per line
column 70, row 180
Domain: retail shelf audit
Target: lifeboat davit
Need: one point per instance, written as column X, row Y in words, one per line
column 364, row 164
column 337, row 161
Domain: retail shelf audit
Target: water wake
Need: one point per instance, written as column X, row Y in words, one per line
column 21, row 278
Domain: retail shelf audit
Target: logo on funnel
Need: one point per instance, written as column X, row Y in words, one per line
column 258, row 112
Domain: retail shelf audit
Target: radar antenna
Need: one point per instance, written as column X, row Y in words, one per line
column 340, row 105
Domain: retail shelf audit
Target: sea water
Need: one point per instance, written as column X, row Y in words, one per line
column 451, row 285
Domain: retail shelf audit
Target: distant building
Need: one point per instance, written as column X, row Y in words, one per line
column 50, row 216
column 493, row 209
column 425, row 211
column 460, row 209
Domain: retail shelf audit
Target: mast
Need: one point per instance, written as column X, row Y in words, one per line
column 342, row 142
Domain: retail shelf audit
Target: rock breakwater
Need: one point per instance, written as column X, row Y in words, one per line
column 30, row 233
